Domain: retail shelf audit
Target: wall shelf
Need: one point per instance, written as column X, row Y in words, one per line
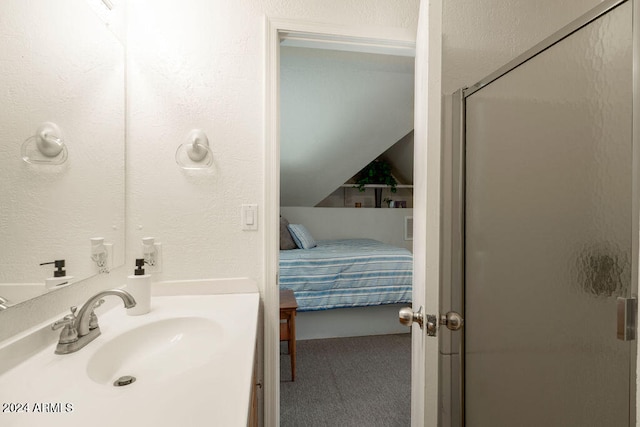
column 347, row 195
column 376, row 186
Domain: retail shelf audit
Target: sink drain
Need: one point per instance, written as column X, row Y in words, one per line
column 124, row 380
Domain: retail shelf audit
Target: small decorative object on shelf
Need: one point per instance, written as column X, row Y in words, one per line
column 376, row 172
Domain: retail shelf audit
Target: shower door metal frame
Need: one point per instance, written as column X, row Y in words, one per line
column 452, row 386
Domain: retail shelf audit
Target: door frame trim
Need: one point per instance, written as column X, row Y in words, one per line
column 635, row 203
column 389, row 40
column 454, row 260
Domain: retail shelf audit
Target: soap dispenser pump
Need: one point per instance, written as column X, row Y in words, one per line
column 139, row 286
column 59, row 275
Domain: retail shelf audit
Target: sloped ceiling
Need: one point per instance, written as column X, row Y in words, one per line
column 339, row 111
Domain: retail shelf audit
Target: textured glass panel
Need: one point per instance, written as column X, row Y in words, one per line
column 548, row 235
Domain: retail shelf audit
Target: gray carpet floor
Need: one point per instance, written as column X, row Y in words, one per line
column 360, row 381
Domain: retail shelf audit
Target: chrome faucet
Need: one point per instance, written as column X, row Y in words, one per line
column 80, row 330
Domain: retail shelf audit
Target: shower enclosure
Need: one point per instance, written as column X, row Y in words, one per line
column 545, row 232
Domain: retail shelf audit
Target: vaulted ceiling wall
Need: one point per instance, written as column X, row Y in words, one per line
column 339, row 111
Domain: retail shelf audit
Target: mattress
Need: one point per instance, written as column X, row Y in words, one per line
column 347, row 273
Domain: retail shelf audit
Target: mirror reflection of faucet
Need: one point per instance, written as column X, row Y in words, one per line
column 60, row 277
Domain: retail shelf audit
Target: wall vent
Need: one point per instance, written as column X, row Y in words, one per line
column 408, row 228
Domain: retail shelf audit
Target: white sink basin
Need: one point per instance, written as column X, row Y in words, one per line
column 192, row 356
column 157, row 351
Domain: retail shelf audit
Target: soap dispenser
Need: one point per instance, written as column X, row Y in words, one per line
column 139, row 286
column 59, row 278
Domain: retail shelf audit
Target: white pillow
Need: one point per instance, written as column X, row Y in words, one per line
column 301, row 236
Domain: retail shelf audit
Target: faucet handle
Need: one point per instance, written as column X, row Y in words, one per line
column 66, row 319
column 93, row 319
column 69, row 333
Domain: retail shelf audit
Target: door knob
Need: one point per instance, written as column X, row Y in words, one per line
column 452, row 320
column 407, row 316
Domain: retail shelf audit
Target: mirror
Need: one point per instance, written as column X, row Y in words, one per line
column 60, row 63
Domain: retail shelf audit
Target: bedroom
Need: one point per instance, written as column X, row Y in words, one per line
column 330, row 131
column 341, row 109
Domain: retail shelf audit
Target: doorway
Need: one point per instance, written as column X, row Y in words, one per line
column 276, row 31
column 548, row 231
column 340, row 110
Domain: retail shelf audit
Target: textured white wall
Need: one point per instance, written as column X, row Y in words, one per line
column 339, row 111
column 200, row 64
column 479, row 36
column 59, row 63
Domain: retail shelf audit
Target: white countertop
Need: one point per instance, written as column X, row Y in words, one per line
column 211, row 387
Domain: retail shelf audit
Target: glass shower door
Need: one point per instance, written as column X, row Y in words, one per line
column 548, row 235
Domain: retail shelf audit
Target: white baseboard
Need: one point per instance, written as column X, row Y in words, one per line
column 349, row 322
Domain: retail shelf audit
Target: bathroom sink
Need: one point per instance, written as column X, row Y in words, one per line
column 157, row 351
column 191, row 356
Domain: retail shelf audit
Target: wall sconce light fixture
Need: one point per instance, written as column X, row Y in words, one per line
column 195, row 153
column 46, row 147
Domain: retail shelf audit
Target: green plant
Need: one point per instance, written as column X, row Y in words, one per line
column 376, row 172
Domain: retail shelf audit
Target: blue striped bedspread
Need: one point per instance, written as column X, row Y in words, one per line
column 347, row 273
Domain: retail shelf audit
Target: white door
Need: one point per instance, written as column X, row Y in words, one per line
column 424, row 365
column 424, row 387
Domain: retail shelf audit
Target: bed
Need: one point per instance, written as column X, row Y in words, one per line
column 347, row 273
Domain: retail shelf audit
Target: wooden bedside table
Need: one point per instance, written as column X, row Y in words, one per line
column 288, row 308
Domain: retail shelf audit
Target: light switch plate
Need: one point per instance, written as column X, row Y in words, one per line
column 249, row 217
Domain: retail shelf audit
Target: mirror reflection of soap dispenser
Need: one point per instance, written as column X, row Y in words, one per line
column 139, row 286
column 60, row 277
